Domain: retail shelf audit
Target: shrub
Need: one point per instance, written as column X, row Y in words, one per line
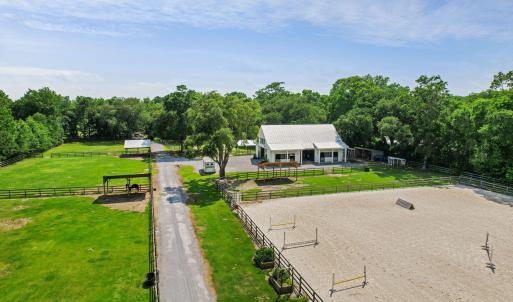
column 366, row 169
column 265, row 254
column 281, row 275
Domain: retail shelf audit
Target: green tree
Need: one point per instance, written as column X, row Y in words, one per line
column 8, row 145
column 176, row 105
column 24, row 137
column 5, row 101
column 210, row 128
column 355, row 127
column 429, row 97
column 44, row 101
column 394, row 133
column 502, row 80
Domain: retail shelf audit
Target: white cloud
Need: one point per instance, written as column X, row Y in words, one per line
column 17, row 71
column 374, row 21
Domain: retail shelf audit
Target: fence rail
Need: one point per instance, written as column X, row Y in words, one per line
column 436, row 168
column 65, row 191
column 90, row 154
column 486, row 178
column 486, row 185
column 295, row 192
column 276, row 173
column 152, row 251
column 18, row 158
column 300, row 285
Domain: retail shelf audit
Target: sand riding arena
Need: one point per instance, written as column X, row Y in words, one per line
column 436, row 252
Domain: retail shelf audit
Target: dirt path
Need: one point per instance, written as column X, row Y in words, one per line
column 181, row 266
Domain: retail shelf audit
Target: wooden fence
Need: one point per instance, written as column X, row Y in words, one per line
column 91, row 154
column 277, row 173
column 486, row 178
column 300, row 285
column 295, row 192
column 64, row 191
column 18, row 158
column 486, row 185
column 152, row 250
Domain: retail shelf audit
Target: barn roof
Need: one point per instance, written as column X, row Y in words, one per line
column 302, row 136
column 137, row 143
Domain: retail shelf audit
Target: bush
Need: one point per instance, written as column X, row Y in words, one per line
column 281, row 275
column 366, row 169
column 265, row 254
column 189, row 153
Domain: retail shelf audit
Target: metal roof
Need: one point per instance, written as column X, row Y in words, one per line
column 137, row 143
column 328, row 145
column 301, row 136
column 284, row 147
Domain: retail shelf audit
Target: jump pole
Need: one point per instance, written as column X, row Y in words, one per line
column 271, row 225
column 334, row 282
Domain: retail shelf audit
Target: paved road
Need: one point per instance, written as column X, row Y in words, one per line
column 181, row 266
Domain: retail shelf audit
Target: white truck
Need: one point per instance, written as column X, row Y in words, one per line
column 208, row 165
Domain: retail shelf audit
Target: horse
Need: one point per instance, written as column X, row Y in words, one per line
column 134, row 186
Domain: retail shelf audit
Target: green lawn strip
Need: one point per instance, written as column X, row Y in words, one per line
column 226, row 246
column 67, row 172
column 72, row 250
column 357, row 179
column 92, row 146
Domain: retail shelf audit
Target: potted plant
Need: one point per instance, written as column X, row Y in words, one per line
column 280, row 280
column 264, row 258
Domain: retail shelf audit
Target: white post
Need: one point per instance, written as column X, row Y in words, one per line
column 316, row 240
column 294, row 222
column 283, row 241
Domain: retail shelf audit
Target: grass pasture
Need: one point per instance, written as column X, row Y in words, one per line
column 89, row 146
column 67, row 172
column 354, row 177
column 69, row 249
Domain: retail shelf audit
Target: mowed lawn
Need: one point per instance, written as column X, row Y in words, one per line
column 227, row 248
column 92, row 146
column 375, row 175
column 68, row 172
column 354, row 177
column 69, row 249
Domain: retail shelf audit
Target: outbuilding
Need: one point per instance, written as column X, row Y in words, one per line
column 138, row 145
column 300, row 143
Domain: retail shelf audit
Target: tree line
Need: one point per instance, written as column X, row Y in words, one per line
column 426, row 122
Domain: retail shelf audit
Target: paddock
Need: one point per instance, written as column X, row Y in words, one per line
column 433, row 253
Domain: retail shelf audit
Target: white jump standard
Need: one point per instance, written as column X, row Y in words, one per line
column 313, row 242
column 337, row 282
column 290, row 224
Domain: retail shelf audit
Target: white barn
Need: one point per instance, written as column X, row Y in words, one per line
column 300, row 143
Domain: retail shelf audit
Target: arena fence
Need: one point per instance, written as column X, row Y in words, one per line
column 486, row 178
column 486, row 185
column 65, row 191
column 300, row 285
column 278, row 173
column 294, row 192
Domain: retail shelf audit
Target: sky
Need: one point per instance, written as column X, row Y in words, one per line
column 105, row 48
